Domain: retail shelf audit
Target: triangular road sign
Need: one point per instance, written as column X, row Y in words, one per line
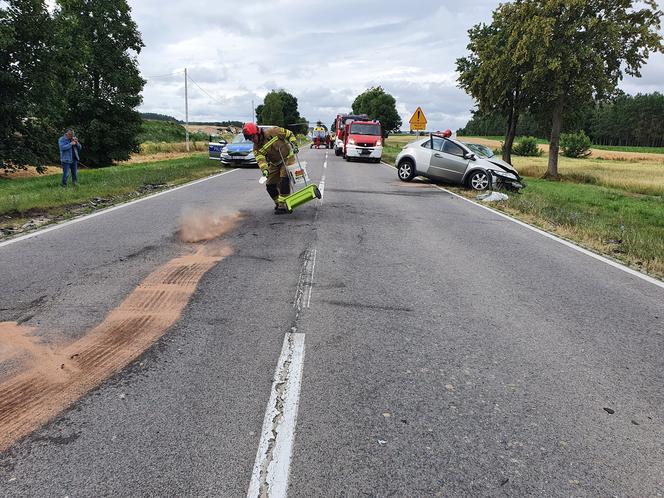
column 419, row 120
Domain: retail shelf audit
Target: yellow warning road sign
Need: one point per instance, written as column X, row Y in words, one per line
column 418, row 122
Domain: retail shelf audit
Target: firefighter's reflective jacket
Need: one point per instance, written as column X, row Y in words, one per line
column 274, row 146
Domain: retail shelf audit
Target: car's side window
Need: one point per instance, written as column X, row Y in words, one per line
column 452, row 148
column 438, row 143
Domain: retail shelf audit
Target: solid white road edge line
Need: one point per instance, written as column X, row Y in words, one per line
column 567, row 243
column 272, row 465
column 108, row 210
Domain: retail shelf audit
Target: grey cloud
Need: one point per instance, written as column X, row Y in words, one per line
column 238, row 51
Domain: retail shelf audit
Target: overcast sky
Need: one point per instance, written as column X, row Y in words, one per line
column 324, row 53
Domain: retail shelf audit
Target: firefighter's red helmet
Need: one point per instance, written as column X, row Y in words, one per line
column 249, row 130
column 447, row 133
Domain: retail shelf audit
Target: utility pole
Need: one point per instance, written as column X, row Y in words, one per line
column 186, row 111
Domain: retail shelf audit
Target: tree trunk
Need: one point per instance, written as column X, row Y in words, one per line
column 510, row 133
column 554, row 142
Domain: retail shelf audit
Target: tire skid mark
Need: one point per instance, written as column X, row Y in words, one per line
column 31, row 398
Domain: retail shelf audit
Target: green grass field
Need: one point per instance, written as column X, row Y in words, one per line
column 611, row 221
column 25, row 198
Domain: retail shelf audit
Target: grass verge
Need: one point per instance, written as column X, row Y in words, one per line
column 617, row 222
column 627, row 227
column 26, row 199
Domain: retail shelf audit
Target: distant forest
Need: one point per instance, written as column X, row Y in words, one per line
column 633, row 120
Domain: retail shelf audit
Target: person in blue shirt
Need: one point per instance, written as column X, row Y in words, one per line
column 69, row 154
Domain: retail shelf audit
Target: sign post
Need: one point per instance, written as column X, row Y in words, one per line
column 419, row 121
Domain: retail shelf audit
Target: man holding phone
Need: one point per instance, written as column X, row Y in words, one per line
column 69, row 155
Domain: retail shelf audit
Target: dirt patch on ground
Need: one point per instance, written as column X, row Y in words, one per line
column 159, row 156
column 55, row 378
column 29, row 172
column 207, row 129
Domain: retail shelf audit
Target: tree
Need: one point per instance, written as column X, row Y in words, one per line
column 491, row 75
column 577, row 50
column 272, row 111
column 280, row 108
column 31, row 98
column 259, row 113
column 378, row 104
column 103, row 41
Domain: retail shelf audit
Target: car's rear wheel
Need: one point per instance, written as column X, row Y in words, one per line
column 479, row 180
column 406, row 170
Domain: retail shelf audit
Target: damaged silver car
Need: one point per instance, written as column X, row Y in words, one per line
column 442, row 158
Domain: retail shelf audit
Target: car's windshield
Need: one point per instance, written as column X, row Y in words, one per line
column 481, row 150
column 239, row 138
column 365, row 129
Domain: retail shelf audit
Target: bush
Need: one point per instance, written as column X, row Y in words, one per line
column 527, row 146
column 575, row 144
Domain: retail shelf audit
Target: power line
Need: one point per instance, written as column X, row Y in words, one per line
column 158, row 76
column 205, row 92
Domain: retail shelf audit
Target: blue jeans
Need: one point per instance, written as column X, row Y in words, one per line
column 66, row 167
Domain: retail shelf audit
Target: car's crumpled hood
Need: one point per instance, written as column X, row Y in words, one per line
column 501, row 164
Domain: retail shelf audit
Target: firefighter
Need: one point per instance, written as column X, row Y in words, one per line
column 274, row 149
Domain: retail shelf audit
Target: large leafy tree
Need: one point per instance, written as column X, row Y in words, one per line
column 380, row 105
column 492, row 76
column 578, row 50
column 272, row 110
column 280, row 108
column 105, row 91
column 31, row 99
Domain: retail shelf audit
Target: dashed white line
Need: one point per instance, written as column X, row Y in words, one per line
column 551, row 236
column 311, row 279
column 272, row 465
column 321, row 187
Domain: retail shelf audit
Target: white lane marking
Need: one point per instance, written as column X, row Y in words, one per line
column 321, row 187
column 305, row 280
column 551, row 236
column 311, row 279
column 108, row 210
column 271, row 467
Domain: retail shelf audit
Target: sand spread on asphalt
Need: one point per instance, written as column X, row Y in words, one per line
column 206, row 224
column 55, row 378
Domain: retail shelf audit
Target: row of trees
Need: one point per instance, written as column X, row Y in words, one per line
column 550, row 58
column 624, row 120
column 75, row 66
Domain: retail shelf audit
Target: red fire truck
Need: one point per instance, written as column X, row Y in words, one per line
column 339, row 128
column 363, row 139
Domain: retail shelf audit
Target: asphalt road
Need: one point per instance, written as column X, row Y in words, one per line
column 447, row 351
